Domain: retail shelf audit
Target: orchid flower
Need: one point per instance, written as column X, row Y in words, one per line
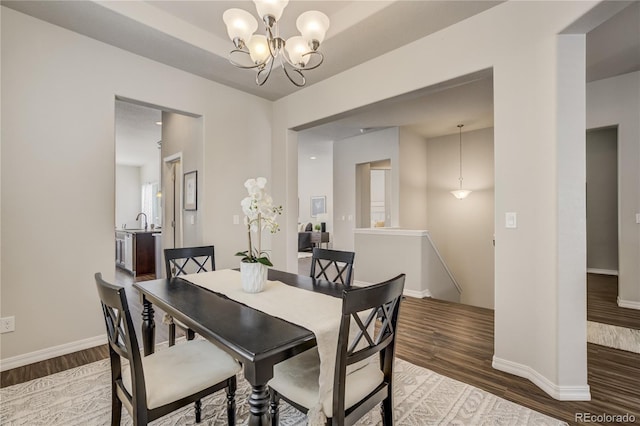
column 259, row 215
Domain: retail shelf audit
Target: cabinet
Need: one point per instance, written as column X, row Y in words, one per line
column 135, row 252
column 120, row 251
column 144, row 250
column 317, row 238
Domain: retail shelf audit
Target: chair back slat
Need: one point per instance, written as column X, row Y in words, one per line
column 121, row 336
column 368, row 327
column 332, row 265
column 189, row 260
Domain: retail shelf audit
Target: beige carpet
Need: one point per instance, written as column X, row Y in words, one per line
column 81, row 396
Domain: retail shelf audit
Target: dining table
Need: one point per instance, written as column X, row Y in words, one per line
column 256, row 339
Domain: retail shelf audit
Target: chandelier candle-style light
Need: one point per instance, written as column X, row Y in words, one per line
column 460, row 194
column 257, row 51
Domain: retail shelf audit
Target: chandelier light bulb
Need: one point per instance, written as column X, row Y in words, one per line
column 260, row 52
column 296, row 48
column 270, row 8
column 313, row 26
column 240, row 24
column 258, row 49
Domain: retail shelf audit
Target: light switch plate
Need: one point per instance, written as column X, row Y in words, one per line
column 511, row 220
column 7, row 324
column 637, row 217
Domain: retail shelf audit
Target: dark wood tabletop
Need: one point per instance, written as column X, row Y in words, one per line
column 257, row 340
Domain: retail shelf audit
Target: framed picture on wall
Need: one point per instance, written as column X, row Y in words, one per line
column 318, row 205
column 191, row 190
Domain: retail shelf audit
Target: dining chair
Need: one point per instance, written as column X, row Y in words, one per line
column 359, row 382
column 183, row 261
column 332, row 265
column 153, row 386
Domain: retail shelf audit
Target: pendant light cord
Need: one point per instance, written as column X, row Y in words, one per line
column 460, row 177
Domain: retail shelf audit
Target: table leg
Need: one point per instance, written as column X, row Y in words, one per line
column 148, row 327
column 259, row 406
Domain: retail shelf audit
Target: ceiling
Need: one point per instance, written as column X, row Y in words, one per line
column 137, row 134
column 191, row 36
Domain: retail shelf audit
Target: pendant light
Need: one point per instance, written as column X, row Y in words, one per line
column 460, row 193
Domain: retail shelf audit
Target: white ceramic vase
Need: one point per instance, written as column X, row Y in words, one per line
column 253, row 276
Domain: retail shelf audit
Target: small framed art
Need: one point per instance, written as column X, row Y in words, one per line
column 191, row 190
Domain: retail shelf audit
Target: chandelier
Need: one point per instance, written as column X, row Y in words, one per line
column 259, row 52
column 460, row 193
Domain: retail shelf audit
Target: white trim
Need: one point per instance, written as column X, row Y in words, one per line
column 561, row 393
column 52, row 352
column 631, row 304
column 391, row 231
column 173, row 158
column 602, row 271
column 417, row 294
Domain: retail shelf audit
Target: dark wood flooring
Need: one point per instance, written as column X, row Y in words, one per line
column 456, row 341
column 602, row 303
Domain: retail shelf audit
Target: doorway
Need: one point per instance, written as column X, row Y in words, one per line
column 172, row 200
column 373, row 194
column 602, row 200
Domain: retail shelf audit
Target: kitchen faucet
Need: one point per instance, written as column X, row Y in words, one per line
column 145, row 219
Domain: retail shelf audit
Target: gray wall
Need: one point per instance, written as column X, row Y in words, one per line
column 462, row 230
column 315, row 178
column 65, row 163
column 128, row 196
column 615, row 102
column 413, row 180
column 602, row 200
column 347, row 153
column 184, row 134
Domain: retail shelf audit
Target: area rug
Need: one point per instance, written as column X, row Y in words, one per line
column 82, row 395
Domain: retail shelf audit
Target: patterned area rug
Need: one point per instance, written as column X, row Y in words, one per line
column 81, row 396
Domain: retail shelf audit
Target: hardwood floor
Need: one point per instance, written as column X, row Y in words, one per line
column 602, row 303
column 456, row 341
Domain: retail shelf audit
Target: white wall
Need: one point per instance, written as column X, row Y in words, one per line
column 65, row 164
column 519, row 40
column 462, row 230
column 150, row 171
column 366, row 148
column 315, row 178
column 128, row 196
column 413, row 180
column 615, row 101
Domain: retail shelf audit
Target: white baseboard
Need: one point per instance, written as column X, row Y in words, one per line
column 631, row 304
column 561, row 393
column 602, row 271
column 418, row 294
column 48, row 353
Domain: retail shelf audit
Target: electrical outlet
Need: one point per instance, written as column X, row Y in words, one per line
column 7, row 324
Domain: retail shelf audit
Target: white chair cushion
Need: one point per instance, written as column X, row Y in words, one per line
column 182, row 370
column 297, row 379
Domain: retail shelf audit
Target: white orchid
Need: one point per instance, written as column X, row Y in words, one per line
column 260, row 214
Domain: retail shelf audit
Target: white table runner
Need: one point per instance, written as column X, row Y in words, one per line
column 317, row 312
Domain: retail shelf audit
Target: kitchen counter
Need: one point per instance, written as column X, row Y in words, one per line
column 140, row 231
